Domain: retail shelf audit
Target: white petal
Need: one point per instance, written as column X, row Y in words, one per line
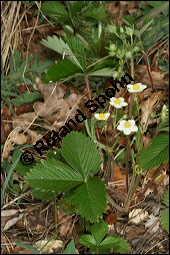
column 124, row 104
column 127, row 131
column 112, row 99
column 134, row 128
column 143, row 86
column 112, row 103
column 97, row 116
column 120, row 127
column 139, row 84
column 132, row 122
column 121, row 99
column 117, row 106
column 131, row 91
column 129, row 86
column 107, row 115
column 122, row 122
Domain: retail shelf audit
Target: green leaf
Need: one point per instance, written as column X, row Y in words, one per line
column 115, row 242
column 55, row 10
column 165, row 219
column 90, row 199
column 88, row 240
column 166, row 197
column 103, row 72
column 43, row 195
column 145, row 26
column 61, row 70
column 96, row 12
column 77, row 48
column 99, row 230
column 23, row 169
column 27, row 247
column 60, row 46
column 53, row 175
column 77, row 6
column 164, row 125
column 71, row 249
column 156, row 153
column 27, row 97
column 129, row 20
column 81, row 153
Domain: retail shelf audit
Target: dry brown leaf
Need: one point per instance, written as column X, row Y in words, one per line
column 120, row 8
column 18, row 137
column 53, row 99
column 23, row 120
column 147, row 107
column 146, row 139
column 119, row 179
column 10, row 218
column 159, row 81
column 20, row 250
column 65, row 222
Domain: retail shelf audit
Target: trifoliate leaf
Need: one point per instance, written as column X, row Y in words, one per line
column 99, row 230
column 53, row 175
column 81, row 153
column 156, row 153
column 90, row 199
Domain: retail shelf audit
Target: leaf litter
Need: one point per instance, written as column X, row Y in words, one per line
column 55, row 110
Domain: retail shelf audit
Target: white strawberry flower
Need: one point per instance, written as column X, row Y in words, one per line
column 118, row 102
column 127, row 126
column 137, row 87
column 102, row 116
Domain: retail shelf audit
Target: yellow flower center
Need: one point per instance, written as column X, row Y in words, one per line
column 135, row 87
column 102, row 115
column 117, row 101
column 127, row 124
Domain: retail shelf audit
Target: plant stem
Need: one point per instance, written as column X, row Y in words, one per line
column 55, row 213
column 131, row 95
column 147, row 64
column 127, row 163
column 151, row 182
column 88, row 86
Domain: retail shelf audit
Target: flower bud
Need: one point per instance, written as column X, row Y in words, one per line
column 136, row 49
column 164, row 113
column 112, row 28
column 124, row 116
column 113, row 47
column 111, row 53
column 128, row 54
column 121, row 30
column 129, row 31
column 116, row 75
